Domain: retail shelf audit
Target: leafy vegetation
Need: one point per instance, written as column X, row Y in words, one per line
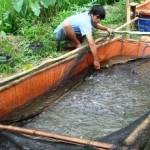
column 116, row 14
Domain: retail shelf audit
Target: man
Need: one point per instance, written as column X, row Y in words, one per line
column 76, row 27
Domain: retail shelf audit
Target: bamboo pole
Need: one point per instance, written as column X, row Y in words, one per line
column 134, row 135
column 108, row 41
column 132, row 32
column 127, row 23
column 128, row 10
column 62, row 138
column 128, row 15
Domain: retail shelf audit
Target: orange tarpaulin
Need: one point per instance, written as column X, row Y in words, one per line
column 144, row 8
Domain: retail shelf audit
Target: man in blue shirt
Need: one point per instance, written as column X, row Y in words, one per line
column 75, row 27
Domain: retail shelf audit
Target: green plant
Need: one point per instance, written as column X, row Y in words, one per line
column 23, row 6
column 116, row 14
column 5, row 15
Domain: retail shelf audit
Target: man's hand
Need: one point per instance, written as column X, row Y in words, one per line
column 109, row 31
column 78, row 46
column 97, row 65
column 101, row 27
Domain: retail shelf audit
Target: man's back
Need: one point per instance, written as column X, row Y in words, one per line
column 81, row 23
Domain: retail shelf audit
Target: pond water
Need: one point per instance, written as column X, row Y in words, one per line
column 104, row 102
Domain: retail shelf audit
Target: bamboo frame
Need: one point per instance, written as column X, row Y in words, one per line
column 133, row 136
column 128, row 10
column 127, row 23
column 62, row 138
column 128, row 15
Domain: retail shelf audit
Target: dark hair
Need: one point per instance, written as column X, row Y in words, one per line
column 98, row 10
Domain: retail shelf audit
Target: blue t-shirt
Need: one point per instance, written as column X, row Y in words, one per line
column 81, row 23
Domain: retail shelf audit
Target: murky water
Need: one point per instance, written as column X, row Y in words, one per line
column 106, row 101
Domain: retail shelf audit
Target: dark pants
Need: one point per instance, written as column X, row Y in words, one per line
column 61, row 36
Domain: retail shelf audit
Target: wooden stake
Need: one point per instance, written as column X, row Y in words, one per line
column 133, row 9
column 128, row 15
column 62, row 138
column 128, row 10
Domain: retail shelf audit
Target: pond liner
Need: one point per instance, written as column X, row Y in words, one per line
column 26, row 113
column 18, row 141
column 30, row 110
column 123, row 136
column 58, row 137
column 21, row 142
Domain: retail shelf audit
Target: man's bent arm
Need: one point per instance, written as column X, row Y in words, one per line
column 101, row 27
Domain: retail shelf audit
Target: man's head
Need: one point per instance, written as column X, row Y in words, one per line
column 97, row 13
